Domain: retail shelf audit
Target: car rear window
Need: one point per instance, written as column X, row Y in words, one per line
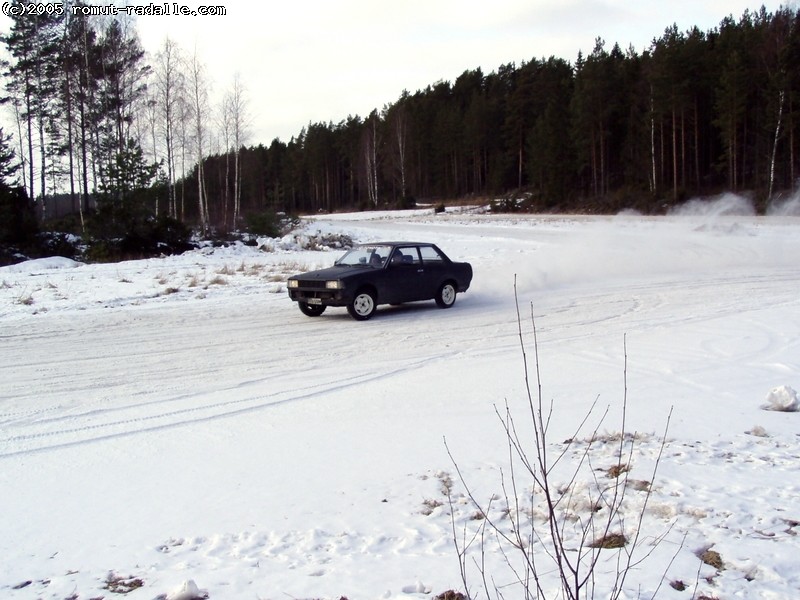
column 430, row 254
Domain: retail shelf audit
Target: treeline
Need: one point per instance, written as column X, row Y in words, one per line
column 696, row 113
column 129, row 138
column 110, row 130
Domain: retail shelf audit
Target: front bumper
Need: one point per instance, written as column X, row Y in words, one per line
column 319, row 297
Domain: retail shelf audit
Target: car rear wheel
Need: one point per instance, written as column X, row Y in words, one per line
column 362, row 307
column 311, row 310
column 446, row 296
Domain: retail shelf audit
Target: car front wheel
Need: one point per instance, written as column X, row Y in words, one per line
column 311, row 310
column 362, row 307
column 446, row 296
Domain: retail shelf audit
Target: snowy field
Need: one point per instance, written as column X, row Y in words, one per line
column 176, row 428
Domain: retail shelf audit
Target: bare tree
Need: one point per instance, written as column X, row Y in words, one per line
column 240, row 128
column 170, row 84
column 184, row 145
column 226, row 133
column 369, row 147
column 199, row 109
column 146, row 128
column 397, row 120
column 553, row 531
column 235, row 125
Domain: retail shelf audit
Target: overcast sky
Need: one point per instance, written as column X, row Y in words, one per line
column 321, row 60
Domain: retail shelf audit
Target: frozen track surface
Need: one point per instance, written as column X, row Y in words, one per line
column 94, row 376
column 234, row 430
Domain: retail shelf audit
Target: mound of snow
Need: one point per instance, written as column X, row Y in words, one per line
column 187, row 591
column 42, row 264
column 783, row 399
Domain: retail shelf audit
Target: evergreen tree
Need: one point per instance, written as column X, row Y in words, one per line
column 33, row 75
column 18, row 225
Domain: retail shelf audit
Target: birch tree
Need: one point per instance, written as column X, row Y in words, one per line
column 240, row 128
column 170, row 95
column 199, row 110
column 369, row 147
column 226, row 131
column 778, row 63
column 397, row 117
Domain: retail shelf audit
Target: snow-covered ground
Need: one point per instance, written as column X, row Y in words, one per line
column 176, row 427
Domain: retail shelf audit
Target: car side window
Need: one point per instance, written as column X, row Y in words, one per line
column 431, row 255
column 405, row 256
column 376, row 260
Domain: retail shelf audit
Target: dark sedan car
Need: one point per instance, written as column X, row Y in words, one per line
column 381, row 273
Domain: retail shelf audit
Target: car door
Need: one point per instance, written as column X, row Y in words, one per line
column 406, row 282
column 434, row 269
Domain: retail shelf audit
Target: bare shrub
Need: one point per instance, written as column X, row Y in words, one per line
column 611, row 540
column 255, row 270
column 552, row 532
column 712, row 558
column 118, row 584
column 25, row 299
column 615, row 471
column 451, row 595
column 430, row 505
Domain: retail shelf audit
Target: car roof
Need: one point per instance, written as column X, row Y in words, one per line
column 397, row 244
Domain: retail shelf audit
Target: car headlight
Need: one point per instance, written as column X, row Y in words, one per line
column 333, row 285
column 293, row 283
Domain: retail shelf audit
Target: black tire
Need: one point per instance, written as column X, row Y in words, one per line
column 311, row 310
column 446, row 295
column 363, row 305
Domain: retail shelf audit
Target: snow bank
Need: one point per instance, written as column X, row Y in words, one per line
column 41, row 264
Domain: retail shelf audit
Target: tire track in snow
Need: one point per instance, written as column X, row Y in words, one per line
column 87, row 433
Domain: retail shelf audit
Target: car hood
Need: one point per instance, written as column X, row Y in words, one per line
column 331, row 273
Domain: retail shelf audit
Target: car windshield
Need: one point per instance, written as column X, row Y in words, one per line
column 371, row 256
